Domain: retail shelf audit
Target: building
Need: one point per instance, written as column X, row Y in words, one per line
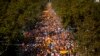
column 96, row 0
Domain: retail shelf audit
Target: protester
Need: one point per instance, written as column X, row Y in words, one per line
column 50, row 37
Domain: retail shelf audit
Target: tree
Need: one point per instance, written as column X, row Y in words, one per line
column 84, row 16
column 14, row 15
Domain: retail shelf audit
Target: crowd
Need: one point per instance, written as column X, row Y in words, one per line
column 48, row 38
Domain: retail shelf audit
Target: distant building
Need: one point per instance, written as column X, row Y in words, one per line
column 96, row 0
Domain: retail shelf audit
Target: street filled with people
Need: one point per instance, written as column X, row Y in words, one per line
column 49, row 38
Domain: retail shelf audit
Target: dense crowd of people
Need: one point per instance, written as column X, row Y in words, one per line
column 49, row 38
